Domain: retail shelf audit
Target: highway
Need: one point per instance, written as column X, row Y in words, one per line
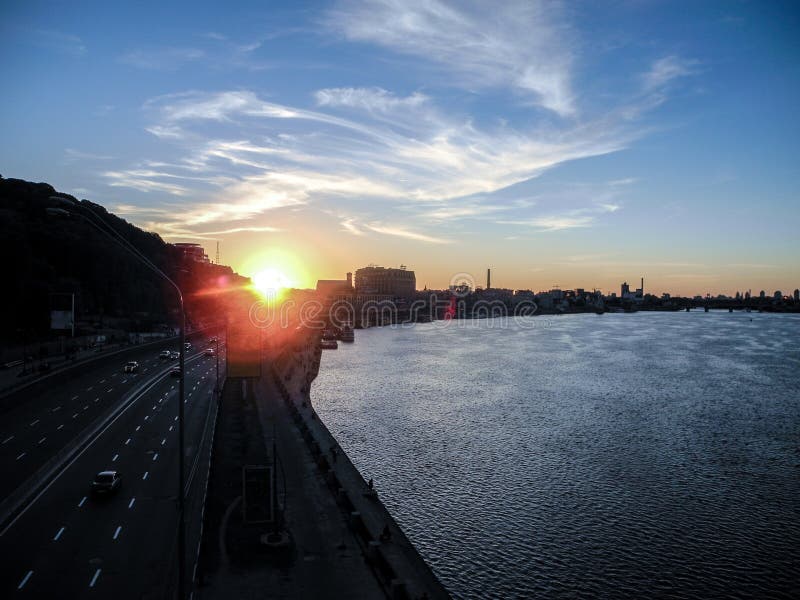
column 48, row 416
column 69, row 544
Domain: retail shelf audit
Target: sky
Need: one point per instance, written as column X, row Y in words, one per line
column 575, row 144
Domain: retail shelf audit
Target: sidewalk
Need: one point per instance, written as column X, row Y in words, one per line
column 398, row 563
column 322, row 558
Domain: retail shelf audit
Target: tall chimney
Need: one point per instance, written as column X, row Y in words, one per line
column 349, row 280
column 642, row 287
column 488, row 279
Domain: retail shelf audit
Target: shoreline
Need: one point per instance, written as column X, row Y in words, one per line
column 397, row 563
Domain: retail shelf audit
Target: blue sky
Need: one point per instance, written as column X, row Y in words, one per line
column 577, row 144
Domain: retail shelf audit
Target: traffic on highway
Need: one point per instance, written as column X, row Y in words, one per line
column 103, row 519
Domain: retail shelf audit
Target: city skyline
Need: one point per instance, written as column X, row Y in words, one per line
column 559, row 144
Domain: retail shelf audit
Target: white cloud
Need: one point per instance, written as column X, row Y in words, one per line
column 405, row 233
column 522, row 45
column 73, row 155
column 370, row 99
column 666, row 69
column 555, row 222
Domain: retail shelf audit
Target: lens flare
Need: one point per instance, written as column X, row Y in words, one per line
column 271, row 282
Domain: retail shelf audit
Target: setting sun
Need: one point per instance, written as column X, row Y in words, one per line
column 270, row 281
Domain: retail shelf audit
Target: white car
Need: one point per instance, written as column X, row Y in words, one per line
column 131, row 366
column 165, row 354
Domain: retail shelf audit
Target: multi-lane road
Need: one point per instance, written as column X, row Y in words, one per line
column 66, row 543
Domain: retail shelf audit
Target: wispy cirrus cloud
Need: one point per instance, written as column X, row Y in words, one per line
column 361, row 143
column 369, row 150
column 525, row 46
column 162, row 59
column 666, row 69
column 73, row 155
column 63, row 43
column 405, row 233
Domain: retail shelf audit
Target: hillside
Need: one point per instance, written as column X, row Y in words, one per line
column 53, row 252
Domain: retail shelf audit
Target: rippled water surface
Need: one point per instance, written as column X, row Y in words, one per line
column 621, row 455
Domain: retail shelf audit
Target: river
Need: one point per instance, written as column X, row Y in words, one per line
column 615, row 455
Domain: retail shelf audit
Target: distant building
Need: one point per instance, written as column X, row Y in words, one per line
column 374, row 280
column 762, row 294
column 335, row 287
column 797, row 295
column 778, row 295
column 193, row 252
column 626, row 293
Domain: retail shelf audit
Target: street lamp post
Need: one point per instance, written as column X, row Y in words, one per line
column 216, row 383
column 107, row 230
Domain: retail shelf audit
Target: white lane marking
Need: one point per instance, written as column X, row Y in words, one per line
column 21, row 455
column 75, row 415
column 94, row 579
column 8, row 439
column 144, row 370
column 155, row 456
column 109, row 389
column 138, row 427
column 170, row 427
column 24, row 580
column 115, row 374
column 116, row 456
column 97, row 399
column 74, row 398
column 164, row 441
column 57, row 408
column 128, row 441
column 146, row 417
column 86, row 407
column 102, row 381
column 154, row 407
column 82, row 501
column 58, row 535
column 35, row 422
column 130, row 504
column 116, row 533
column 60, row 426
column 145, row 475
column 41, row 440
column 69, row 463
column 89, row 389
column 124, row 381
column 175, row 419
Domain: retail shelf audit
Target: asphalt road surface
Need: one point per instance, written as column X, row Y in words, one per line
column 50, row 417
column 67, row 543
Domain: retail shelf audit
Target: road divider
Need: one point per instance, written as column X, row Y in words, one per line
column 18, row 501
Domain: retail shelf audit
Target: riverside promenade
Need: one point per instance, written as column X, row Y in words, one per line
column 335, row 539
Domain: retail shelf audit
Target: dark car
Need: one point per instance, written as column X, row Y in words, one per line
column 175, row 372
column 208, row 352
column 175, row 355
column 131, row 366
column 165, row 354
column 188, row 346
column 106, row 482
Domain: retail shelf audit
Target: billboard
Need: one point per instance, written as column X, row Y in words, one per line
column 61, row 319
